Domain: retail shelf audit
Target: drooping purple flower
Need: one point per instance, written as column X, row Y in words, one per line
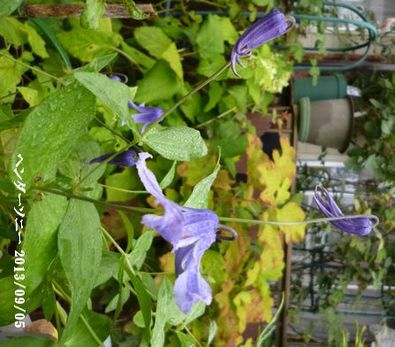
column 269, row 27
column 126, row 158
column 119, row 77
column 190, row 231
column 146, row 115
column 357, row 226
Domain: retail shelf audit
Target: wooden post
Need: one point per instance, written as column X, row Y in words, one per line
column 75, row 10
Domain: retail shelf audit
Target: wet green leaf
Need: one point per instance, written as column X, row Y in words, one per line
column 40, row 241
column 176, row 143
column 51, row 131
column 7, row 7
column 113, row 94
column 80, row 252
column 93, row 11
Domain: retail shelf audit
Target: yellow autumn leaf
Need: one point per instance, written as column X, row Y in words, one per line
column 256, row 158
column 276, row 176
column 292, row 212
column 285, row 163
column 272, row 257
column 242, row 301
column 268, row 302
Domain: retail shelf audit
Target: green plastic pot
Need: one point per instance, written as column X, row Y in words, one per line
column 327, row 123
column 327, row 88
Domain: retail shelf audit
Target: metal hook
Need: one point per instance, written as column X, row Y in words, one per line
column 120, row 77
column 291, row 22
column 231, row 231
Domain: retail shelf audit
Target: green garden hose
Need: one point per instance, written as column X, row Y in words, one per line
column 361, row 23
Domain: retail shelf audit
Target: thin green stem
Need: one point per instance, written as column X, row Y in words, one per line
column 116, row 133
column 91, row 331
column 123, row 190
column 96, row 202
column 306, row 222
column 190, row 334
column 32, row 68
column 58, row 290
column 211, row 3
column 222, row 115
column 128, row 57
column 119, row 248
column 115, row 243
column 193, row 91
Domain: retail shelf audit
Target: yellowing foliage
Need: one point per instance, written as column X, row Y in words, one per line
column 245, row 295
column 292, row 212
column 276, row 176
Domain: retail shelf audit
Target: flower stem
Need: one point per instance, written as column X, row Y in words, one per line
column 223, row 114
column 193, row 91
column 129, row 266
column 123, row 190
column 305, row 222
column 94, row 201
column 32, row 68
column 59, row 291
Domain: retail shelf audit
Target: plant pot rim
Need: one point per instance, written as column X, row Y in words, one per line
column 303, row 107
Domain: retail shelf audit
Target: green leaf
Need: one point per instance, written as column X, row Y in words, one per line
column 109, row 267
column 159, row 83
column 49, row 36
column 93, row 11
column 80, row 251
column 52, row 129
column 7, row 7
column 113, row 94
column 30, row 341
column 88, row 44
column 209, row 66
column 98, row 323
column 387, row 125
column 213, row 266
column 113, row 304
column 30, row 95
column 185, row 340
column 168, row 179
column 196, row 311
column 172, row 56
column 143, row 298
column 199, row 196
column 7, row 297
column 176, row 143
column 140, row 249
column 212, row 331
column 76, row 167
column 166, row 309
column 229, row 32
column 214, row 93
column 375, row 103
column 134, row 10
column 266, row 333
column 11, row 73
column 153, row 39
column 40, row 242
column 144, row 61
column 124, row 180
column 35, row 41
column 12, row 31
column 210, row 39
column 230, row 139
column 192, row 107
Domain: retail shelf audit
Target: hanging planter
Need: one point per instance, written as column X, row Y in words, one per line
column 327, row 87
column 327, row 123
